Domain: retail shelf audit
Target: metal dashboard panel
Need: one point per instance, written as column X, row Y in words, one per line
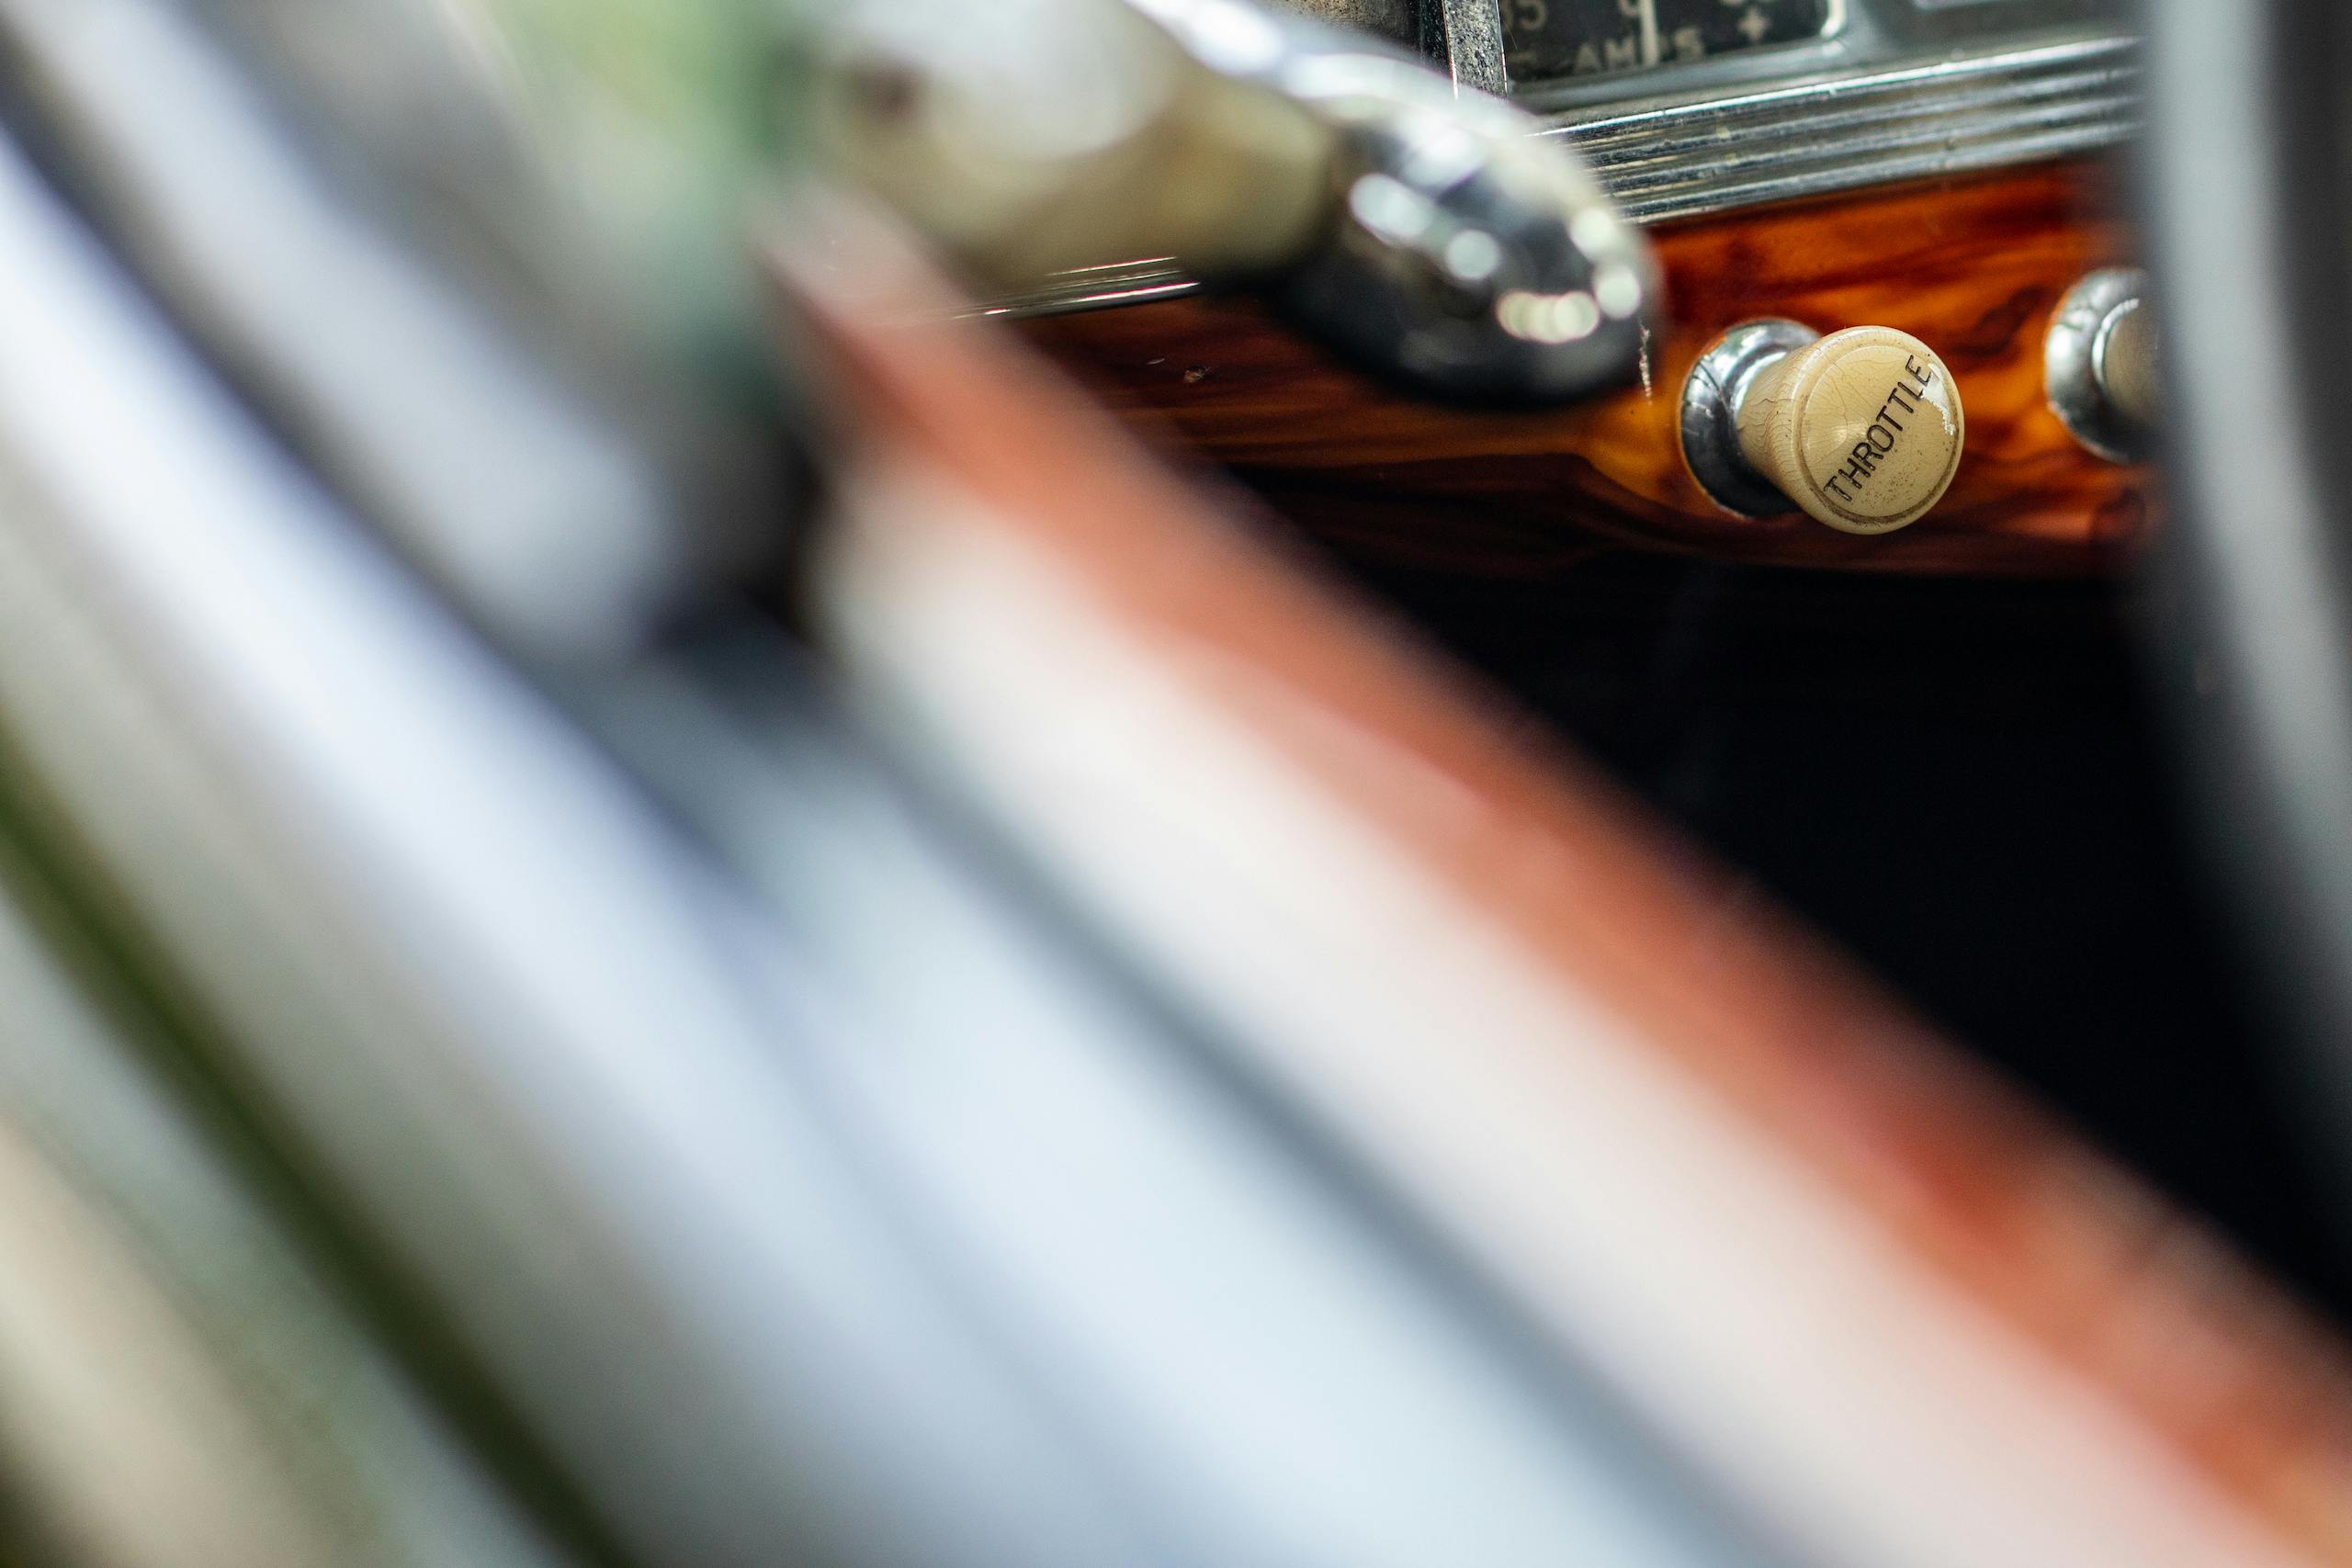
column 1862, row 36
column 1701, row 151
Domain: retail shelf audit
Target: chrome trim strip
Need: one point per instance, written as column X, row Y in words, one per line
column 1699, row 156
column 1670, row 159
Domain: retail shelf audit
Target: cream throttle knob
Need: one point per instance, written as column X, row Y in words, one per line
column 1861, row 430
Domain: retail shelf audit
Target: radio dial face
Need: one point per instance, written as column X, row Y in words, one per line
column 1565, row 40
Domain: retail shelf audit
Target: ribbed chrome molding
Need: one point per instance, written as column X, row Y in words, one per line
column 1698, row 155
column 1668, row 158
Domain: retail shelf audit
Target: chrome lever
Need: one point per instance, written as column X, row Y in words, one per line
column 1430, row 236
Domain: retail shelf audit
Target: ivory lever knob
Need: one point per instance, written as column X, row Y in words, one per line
column 1862, row 429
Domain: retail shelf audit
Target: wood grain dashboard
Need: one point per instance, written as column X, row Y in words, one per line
column 1974, row 267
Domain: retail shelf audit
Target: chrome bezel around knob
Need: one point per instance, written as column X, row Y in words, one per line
column 1712, row 399
column 2075, row 371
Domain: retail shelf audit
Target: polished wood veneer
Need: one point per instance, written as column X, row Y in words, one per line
column 1974, row 267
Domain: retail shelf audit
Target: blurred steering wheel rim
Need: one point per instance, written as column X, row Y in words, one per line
column 2248, row 166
